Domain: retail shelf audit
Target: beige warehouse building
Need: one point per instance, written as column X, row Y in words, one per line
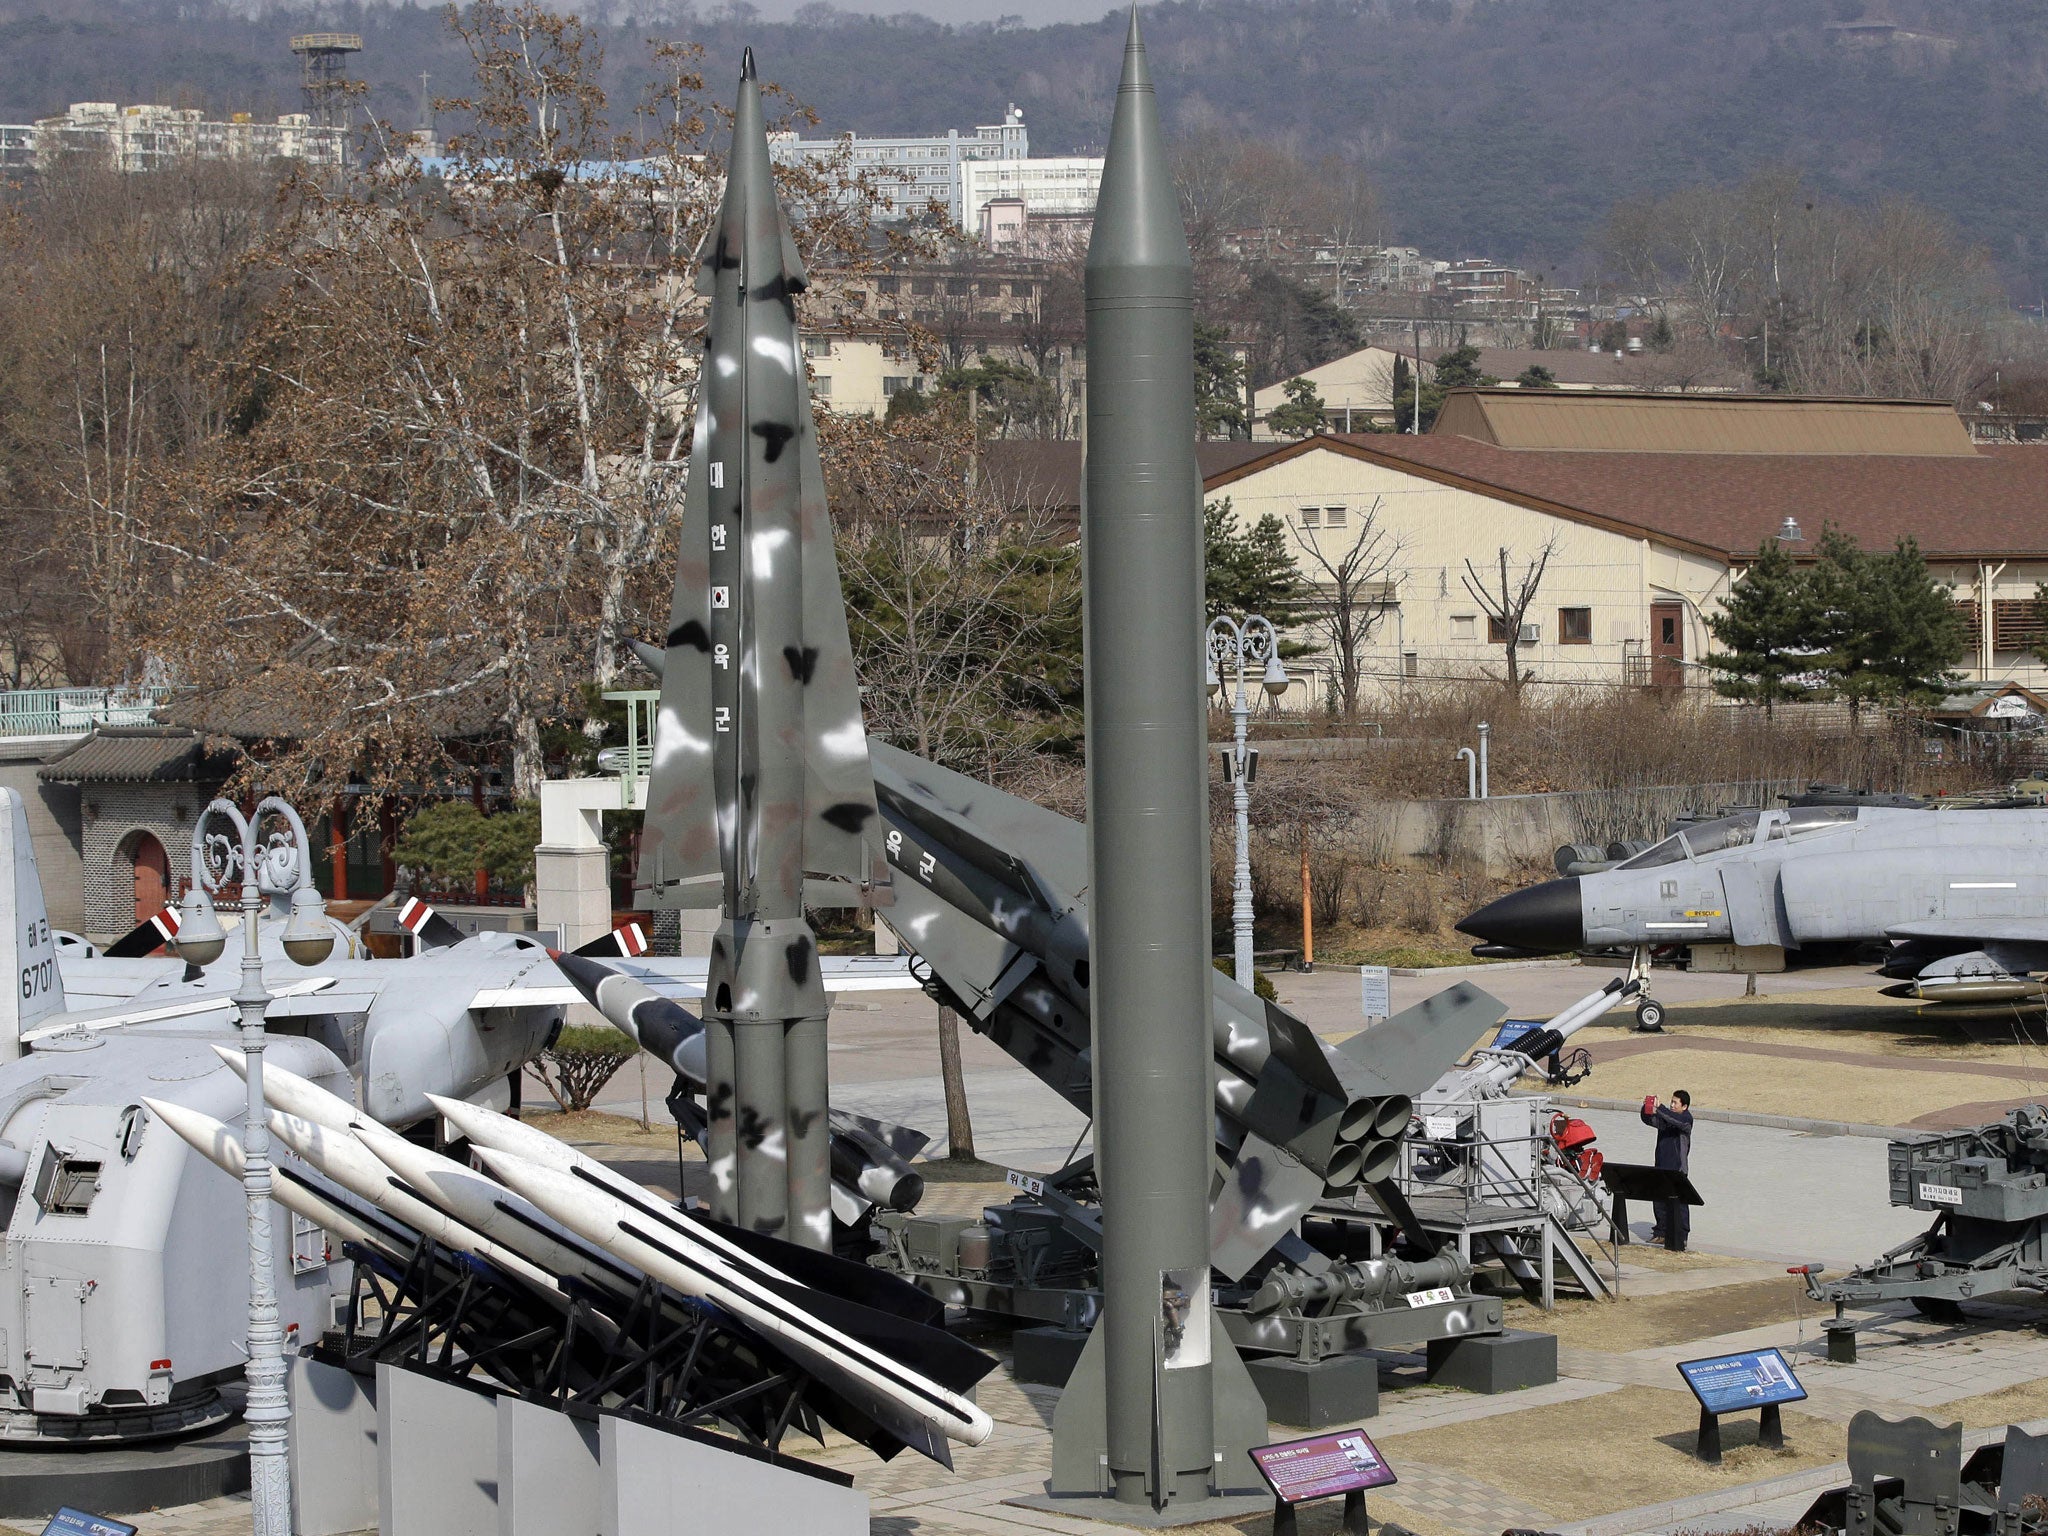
column 1651, row 506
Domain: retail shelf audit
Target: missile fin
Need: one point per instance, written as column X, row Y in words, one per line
column 1418, row 1045
column 905, row 1141
column 842, row 828
column 1265, row 1192
column 679, row 864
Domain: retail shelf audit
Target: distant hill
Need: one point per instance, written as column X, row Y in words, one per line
column 1497, row 127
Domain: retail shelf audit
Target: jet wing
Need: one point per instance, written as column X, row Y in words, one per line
column 1981, row 930
column 684, row 978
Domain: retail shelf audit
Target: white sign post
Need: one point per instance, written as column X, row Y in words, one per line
column 1374, row 986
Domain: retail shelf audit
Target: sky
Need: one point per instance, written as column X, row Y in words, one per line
column 1035, row 13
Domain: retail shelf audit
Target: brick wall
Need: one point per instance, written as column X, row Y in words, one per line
column 110, row 814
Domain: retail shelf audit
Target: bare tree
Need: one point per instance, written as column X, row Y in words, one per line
column 1507, row 603
column 1353, row 595
column 965, row 609
column 475, row 394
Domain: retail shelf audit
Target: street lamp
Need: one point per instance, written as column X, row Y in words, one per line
column 308, row 939
column 1254, row 643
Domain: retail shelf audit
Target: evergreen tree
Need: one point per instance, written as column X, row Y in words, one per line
column 1219, row 385
column 1536, row 376
column 1889, row 631
column 1455, row 369
column 1765, row 632
column 1249, row 570
column 1301, row 413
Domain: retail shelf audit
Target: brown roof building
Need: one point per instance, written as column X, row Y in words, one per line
column 1649, row 505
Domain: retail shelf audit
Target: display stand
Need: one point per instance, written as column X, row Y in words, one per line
column 1756, row 1379
column 1322, row 1467
column 1638, row 1181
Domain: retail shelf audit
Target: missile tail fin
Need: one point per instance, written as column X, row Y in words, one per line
column 1418, row 1045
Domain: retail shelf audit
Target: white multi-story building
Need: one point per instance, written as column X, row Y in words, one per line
column 1061, row 185
column 914, row 173
column 146, row 138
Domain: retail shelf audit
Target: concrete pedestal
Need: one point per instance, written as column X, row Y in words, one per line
column 659, row 1483
column 1045, row 1357
column 1343, row 1389
column 333, row 1449
column 549, row 1480
column 438, row 1456
column 1497, row 1362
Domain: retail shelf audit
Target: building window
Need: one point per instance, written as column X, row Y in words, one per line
column 957, row 286
column 822, row 387
column 1334, row 517
column 894, row 384
column 1574, row 626
column 885, row 285
column 1496, row 630
column 1464, row 626
column 817, row 346
column 1311, row 517
column 1411, row 664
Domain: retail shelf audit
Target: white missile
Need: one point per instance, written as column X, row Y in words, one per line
column 221, row 1145
column 501, row 1133
column 296, row 1096
column 501, row 1215
column 349, row 1163
column 671, row 1249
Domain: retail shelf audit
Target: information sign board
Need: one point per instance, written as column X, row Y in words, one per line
column 1316, row 1468
column 76, row 1522
column 1755, row 1378
column 1375, row 987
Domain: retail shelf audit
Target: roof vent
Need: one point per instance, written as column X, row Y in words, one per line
column 1789, row 531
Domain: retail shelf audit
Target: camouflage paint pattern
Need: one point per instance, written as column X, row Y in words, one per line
column 760, row 768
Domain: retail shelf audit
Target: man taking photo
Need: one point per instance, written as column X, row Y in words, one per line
column 1673, row 1122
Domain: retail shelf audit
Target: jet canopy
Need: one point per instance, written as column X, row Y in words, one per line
column 1739, row 831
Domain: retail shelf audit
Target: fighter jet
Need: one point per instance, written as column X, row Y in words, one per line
column 1960, row 897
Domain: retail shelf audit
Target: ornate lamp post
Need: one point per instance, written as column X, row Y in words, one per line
column 288, row 861
column 1252, row 643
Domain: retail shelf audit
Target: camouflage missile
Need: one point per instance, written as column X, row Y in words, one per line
column 760, row 768
column 867, row 1170
column 994, row 896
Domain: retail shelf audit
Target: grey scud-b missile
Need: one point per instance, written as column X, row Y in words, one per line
column 1158, row 1390
column 993, row 896
column 870, row 1158
column 760, row 769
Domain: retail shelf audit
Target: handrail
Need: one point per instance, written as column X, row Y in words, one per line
column 74, row 711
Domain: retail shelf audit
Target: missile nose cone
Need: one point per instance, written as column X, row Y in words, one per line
column 747, row 63
column 584, row 975
column 1543, row 917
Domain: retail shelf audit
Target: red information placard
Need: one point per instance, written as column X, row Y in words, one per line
column 1299, row 1470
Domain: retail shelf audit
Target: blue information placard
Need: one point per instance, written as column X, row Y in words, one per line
column 76, row 1522
column 1513, row 1030
column 1756, row 1378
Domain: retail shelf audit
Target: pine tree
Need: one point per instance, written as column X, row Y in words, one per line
column 1889, row 631
column 1301, row 414
column 1765, row 631
column 1250, row 570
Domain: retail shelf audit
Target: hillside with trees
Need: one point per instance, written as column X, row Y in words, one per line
column 1509, row 128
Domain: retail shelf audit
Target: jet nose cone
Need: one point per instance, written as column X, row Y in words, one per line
column 1544, row 917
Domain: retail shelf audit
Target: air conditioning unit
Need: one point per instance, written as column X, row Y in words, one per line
column 1532, row 634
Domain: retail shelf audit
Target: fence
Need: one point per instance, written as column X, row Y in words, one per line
column 74, row 711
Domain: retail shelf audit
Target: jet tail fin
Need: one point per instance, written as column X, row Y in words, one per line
column 429, row 928
column 25, row 935
column 145, row 938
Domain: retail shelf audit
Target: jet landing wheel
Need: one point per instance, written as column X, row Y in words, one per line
column 1650, row 1016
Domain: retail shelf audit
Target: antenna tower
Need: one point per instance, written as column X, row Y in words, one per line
column 323, row 73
